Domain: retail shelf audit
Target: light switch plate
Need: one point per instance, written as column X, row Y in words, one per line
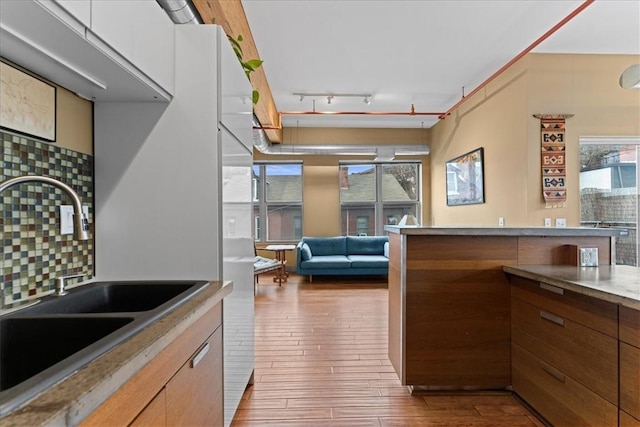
column 501, row 222
column 561, row 222
column 547, row 222
column 66, row 218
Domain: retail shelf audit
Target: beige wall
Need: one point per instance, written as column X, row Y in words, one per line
column 74, row 122
column 500, row 119
column 74, row 118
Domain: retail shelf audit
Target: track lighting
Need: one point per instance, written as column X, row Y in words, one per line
column 366, row 97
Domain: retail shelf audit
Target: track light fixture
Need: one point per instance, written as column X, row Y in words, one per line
column 366, row 97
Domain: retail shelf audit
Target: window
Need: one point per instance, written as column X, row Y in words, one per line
column 374, row 195
column 609, row 190
column 277, row 210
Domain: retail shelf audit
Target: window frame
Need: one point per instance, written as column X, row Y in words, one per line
column 259, row 188
column 379, row 204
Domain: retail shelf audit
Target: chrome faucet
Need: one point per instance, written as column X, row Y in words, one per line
column 80, row 223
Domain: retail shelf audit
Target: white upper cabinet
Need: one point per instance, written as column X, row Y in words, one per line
column 141, row 32
column 236, row 109
column 51, row 39
column 79, row 9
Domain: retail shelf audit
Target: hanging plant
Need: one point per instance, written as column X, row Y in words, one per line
column 249, row 66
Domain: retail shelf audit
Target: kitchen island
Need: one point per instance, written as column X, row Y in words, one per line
column 449, row 298
column 116, row 387
column 575, row 342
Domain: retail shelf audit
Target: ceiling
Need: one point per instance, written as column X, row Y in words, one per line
column 423, row 53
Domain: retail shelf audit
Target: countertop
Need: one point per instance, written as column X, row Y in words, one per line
column 71, row 400
column 619, row 284
column 504, row 231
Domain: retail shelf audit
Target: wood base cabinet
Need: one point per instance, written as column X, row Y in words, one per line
column 564, row 350
column 557, row 397
column 155, row 414
column 630, row 366
column 181, row 386
column 194, row 393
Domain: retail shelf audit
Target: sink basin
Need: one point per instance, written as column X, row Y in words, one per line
column 113, row 298
column 45, row 343
column 29, row 346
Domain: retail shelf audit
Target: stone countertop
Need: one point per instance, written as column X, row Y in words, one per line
column 619, row 284
column 71, row 400
column 504, row 231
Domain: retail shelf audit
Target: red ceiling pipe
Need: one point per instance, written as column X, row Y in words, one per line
column 529, row 48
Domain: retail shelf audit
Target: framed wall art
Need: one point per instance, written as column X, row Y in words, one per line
column 27, row 104
column 465, row 179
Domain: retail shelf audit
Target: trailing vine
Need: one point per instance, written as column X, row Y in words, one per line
column 249, row 66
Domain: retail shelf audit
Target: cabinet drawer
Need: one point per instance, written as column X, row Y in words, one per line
column 558, row 398
column 630, row 326
column 588, row 356
column 194, row 394
column 594, row 313
column 630, row 379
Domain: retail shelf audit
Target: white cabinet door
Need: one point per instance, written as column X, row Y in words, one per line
column 79, row 9
column 235, row 94
column 141, row 32
column 75, row 14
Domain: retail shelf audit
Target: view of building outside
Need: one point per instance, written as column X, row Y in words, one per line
column 277, row 197
column 609, row 193
column 374, row 195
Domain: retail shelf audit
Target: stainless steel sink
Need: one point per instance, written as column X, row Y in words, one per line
column 43, row 344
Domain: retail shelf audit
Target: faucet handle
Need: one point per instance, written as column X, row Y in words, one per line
column 61, row 283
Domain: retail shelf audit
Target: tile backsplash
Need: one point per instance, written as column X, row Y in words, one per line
column 34, row 252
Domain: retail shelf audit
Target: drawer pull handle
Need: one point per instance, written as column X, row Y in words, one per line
column 552, row 318
column 201, row 354
column 553, row 289
column 553, row 372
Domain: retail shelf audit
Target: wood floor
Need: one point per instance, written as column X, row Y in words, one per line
column 321, row 360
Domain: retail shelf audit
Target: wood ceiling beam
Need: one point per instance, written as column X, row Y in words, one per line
column 229, row 14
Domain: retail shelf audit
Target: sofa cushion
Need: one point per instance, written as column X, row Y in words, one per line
column 327, row 261
column 368, row 261
column 366, row 245
column 305, row 250
column 386, row 249
column 326, row 245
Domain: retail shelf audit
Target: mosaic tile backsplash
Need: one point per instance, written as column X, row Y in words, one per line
column 34, row 252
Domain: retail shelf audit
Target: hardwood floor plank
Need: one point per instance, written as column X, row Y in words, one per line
column 321, row 361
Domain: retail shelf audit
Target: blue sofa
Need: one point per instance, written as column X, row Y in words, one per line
column 343, row 255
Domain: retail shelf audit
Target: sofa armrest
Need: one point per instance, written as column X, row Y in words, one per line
column 298, row 254
column 386, row 249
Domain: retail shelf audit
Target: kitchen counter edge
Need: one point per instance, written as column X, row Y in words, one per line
column 504, row 231
column 73, row 399
column 619, row 284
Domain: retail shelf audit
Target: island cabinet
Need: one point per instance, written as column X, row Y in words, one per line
column 181, row 386
column 450, row 301
column 629, row 367
column 564, row 350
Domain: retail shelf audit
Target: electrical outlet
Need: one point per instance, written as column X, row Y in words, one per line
column 66, row 218
column 501, row 222
column 561, row 222
column 547, row 222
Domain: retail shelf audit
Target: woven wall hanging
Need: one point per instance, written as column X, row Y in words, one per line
column 553, row 159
